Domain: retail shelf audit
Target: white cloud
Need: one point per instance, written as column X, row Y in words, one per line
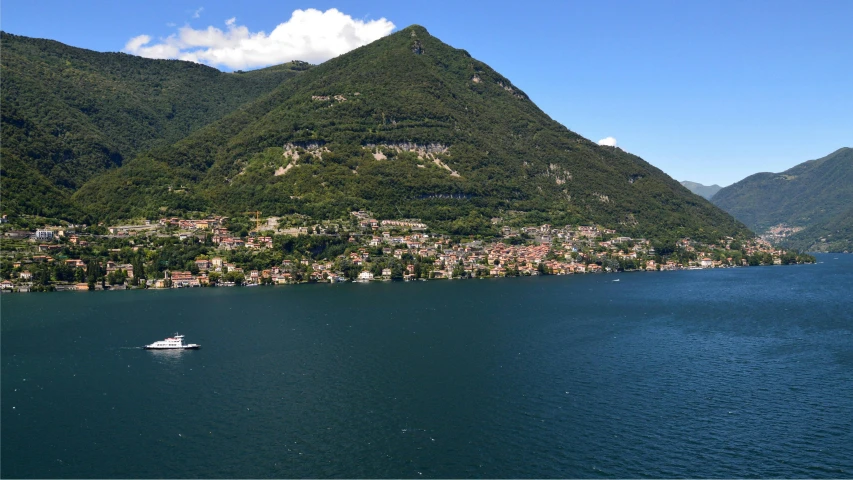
column 197, row 12
column 309, row 35
column 136, row 43
column 609, row 141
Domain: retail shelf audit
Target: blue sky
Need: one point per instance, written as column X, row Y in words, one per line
column 706, row 91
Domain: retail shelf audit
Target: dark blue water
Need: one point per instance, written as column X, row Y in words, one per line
column 723, row 373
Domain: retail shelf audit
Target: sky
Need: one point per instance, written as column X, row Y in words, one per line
column 710, row 92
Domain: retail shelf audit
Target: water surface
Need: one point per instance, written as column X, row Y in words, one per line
column 720, row 373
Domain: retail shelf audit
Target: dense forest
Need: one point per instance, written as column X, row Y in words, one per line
column 406, row 127
column 69, row 114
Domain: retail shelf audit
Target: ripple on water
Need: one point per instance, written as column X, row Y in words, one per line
column 742, row 372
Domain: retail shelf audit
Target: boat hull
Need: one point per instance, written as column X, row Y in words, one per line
column 185, row 347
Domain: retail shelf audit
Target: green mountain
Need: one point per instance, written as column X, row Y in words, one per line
column 407, row 127
column 832, row 235
column 703, row 191
column 814, row 196
column 69, row 114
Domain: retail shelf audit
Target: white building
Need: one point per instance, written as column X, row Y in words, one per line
column 42, row 234
column 365, row 276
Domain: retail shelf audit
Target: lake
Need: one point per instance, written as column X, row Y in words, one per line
column 717, row 373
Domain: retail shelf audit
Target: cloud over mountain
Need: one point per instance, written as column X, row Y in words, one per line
column 310, row 35
column 609, row 141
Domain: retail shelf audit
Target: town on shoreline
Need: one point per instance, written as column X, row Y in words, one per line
column 218, row 251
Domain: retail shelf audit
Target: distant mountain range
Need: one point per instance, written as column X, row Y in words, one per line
column 406, row 127
column 704, row 191
column 809, row 206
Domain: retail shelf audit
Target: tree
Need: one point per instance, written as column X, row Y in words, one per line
column 64, row 272
column 236, row 277
column 192, row 267
column 117, row 277
column 459, row 271
column 93, row 272
column 138, row 268
column 41, row 275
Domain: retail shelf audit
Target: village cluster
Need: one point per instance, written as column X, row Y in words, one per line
column 373, row 250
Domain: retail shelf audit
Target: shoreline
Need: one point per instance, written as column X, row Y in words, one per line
column 394, row 280
column 206, row 253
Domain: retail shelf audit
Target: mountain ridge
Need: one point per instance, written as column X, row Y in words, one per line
column 808, row 201
column 69, row 114
column 704, row 191
column 406, row 126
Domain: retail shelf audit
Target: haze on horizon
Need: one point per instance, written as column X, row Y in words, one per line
column 707, row 93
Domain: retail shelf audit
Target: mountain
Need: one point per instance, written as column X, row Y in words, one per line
column 810, row 201
column 832, row 235
column 703, row 191
column 69, row 114
column 406, row 127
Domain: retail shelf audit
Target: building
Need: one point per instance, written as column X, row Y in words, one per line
column 42, row 234
column 183, row 279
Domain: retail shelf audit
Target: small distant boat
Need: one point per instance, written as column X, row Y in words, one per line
column 616, row 280
column 175, row 342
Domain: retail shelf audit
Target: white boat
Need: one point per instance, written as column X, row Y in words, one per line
column 175, row 342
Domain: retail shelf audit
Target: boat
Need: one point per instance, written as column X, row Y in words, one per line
column 175, row 342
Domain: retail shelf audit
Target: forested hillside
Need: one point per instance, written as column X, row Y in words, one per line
column 69, row 114
column 407, row 127
column 832, row 235
column 815, row 196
